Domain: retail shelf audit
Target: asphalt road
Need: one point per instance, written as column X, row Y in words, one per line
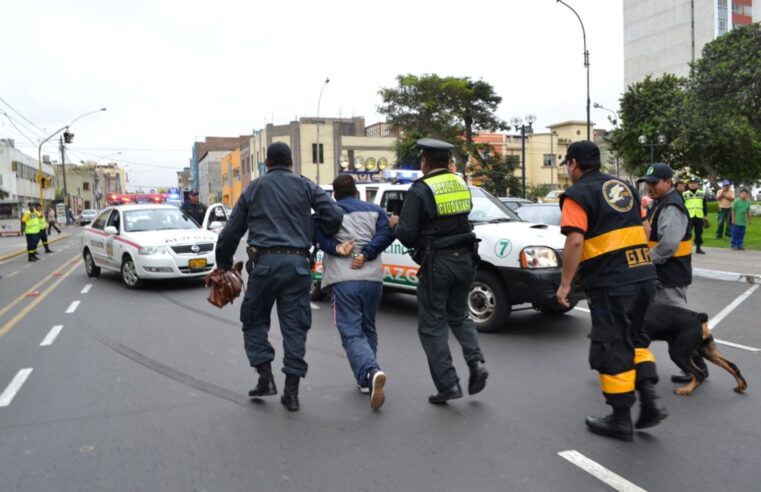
column 146, row 390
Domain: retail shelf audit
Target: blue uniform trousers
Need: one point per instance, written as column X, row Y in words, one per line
column 284, row 279
column 354, row 306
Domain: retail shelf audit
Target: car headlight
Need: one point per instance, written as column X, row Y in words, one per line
column 152, row 250
column 539, row 257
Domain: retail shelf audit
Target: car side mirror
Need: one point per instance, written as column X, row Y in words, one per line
column 111, row 230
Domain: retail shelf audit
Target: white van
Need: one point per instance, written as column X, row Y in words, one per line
column 521, row 262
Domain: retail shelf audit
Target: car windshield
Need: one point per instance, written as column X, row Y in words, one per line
column 540, row 214
column 157, row 219
column 486, row 208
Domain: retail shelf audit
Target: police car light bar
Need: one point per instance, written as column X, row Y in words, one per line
column 402, row 175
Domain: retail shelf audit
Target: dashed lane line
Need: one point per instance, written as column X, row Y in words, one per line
column 72, row 307
column 16, row 383
column 86, row 289
column 737, row 345
column 582, row 309
column 600, row 472
column 10, row 324
column 731, row 307
column 11, row 274
column 51, row 336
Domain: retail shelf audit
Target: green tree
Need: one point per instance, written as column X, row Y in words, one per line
column 496, row 173
column 439, row 107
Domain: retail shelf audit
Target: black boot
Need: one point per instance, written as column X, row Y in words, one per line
column 651, row 412
column 266, row 384
column 48, row 250
column 700, row 251
column 451, row 393
column 617, row 425
column 478, row 375
column 290, row 396
column 33, row 258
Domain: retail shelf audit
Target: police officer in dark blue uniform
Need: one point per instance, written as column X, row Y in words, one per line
column 193, row 208
column 275, row 209
column 434, row 222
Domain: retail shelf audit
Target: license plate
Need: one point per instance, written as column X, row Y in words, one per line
column 197, row 264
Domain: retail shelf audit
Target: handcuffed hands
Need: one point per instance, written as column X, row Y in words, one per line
column 358, row 261
column 345, row 248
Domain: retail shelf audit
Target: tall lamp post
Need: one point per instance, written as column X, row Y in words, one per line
column 317, row 150
column 586, row 64
column 67, row 140
column 661, row 141
column 613, row 120
column 518, row 124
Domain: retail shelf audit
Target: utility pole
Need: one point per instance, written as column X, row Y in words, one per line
column 63, row 172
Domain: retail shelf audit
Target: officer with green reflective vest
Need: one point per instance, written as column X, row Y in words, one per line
column 31, row 230
column 434, row 223
column 695, row 201
column 42, row 235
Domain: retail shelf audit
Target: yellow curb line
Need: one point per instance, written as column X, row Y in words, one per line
column 8, row 256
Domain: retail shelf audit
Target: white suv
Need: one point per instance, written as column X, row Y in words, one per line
column 521, row 262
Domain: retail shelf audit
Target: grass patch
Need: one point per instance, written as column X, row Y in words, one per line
column 752, row 232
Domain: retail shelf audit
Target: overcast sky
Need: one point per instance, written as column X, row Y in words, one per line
column 172, row 71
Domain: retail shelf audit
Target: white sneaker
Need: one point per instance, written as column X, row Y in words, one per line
column 365, row 390
column 377, row 396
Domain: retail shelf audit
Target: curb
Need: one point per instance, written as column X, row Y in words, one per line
column 14, row 254
column 748, row 278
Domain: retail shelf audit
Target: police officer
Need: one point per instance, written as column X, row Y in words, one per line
column 695, row 201
column 434, row 221
column 275, row 209
column 193, row 208
column 606, row 242
column 42, row 225
column 31, row 231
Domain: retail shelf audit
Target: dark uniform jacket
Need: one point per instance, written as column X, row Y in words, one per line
column 677, row 270
column 195, row 211
column 276, row 210
column 615, row 244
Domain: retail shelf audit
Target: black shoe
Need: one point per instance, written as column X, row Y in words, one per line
column 610, row 426
column 699, row 251
column 651, row 411
column 48, row 251
column 681, row 377
column 478, row 375
column 451, row 393
column 264, row 387
column 33, row 258
column 290, row 396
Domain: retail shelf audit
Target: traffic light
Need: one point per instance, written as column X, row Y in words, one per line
column 48, row 182
column 68, row 137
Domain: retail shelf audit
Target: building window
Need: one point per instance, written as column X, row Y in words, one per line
column 85, row 186
column 722, row 26
column 548, row 160
column 314, row 154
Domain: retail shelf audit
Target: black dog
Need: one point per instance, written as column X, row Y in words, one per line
column 685, row 332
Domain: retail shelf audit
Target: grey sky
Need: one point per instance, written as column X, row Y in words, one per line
column 171, row 71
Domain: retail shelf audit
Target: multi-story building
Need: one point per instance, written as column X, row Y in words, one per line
column 19, row 175
column 81, row 186
column 184, row 179
column 664, row 37
column 231, row 177
column 209, row 144
column 210, row 179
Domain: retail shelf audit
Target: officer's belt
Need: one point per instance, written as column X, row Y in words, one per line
column 283, row 251
column 451, row 251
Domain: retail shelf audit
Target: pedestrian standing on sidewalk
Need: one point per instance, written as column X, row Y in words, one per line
column 51, row 221
column 276, row 210
column 353, row 267
column 740, row 219
column 695, row 201
column 434, row 223
column 606, row 248
column 31, row 230
column 726, row 198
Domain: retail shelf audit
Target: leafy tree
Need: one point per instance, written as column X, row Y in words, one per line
column 496, row 173
column 439, row 107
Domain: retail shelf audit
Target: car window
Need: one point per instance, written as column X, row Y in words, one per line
column 113, row 220
column 392, row 201
column 370, row 194
column 540, row 214
column 100, row 222
column 486, row 208
column 157, row 219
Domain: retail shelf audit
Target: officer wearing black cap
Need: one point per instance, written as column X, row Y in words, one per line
column 697, row 207
column 276, row 211
column 606, row 249
column 193, row 208
column 434, row 223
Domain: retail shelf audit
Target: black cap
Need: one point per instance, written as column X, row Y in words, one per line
column 433, row 145
column 694, row 179
column 279, row 154
column 657, row 172
column 586, row 153
column 193, row 192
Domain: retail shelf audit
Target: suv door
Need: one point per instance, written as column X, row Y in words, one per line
column 215, row 219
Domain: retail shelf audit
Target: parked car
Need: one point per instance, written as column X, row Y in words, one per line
column 513, row 202
column 87, row 216
column 540, row 213
column 552, row 196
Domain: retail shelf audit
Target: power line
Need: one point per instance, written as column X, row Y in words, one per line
column 24, row 117
column 17, row 128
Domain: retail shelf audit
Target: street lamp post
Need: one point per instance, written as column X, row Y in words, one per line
column 616, row 118
column 518, row 124
column 586, row 65
column 317, row 150
column 643, row 142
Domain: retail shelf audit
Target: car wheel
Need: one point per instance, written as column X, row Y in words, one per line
column 129, row 274
column 554, row 308
column 91, row 268
column 488, row 302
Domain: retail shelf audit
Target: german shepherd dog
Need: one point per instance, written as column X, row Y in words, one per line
column 688, row 337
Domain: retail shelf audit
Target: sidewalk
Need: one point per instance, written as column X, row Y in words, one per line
column 726, row 264
column 11, row 246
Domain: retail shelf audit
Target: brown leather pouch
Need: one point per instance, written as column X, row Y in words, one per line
column 225, row 285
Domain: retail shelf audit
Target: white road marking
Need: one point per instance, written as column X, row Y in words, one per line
column 313, row 305
column 10, row 392
column 600, row 472
column 11, row 274
column 86, row 289
column 737, row 345
column 50, row 338
column 731, row 307
column 72, row 307
column 582, row 309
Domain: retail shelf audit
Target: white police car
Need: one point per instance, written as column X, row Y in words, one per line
column 144, row 242
column 521, row 262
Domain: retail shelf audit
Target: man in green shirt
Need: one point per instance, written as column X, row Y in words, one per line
column 740, row 219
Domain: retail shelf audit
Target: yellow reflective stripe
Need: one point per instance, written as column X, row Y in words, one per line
column 684, row 249
column 613, row 241
column 623, row 382
column 643, row 355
